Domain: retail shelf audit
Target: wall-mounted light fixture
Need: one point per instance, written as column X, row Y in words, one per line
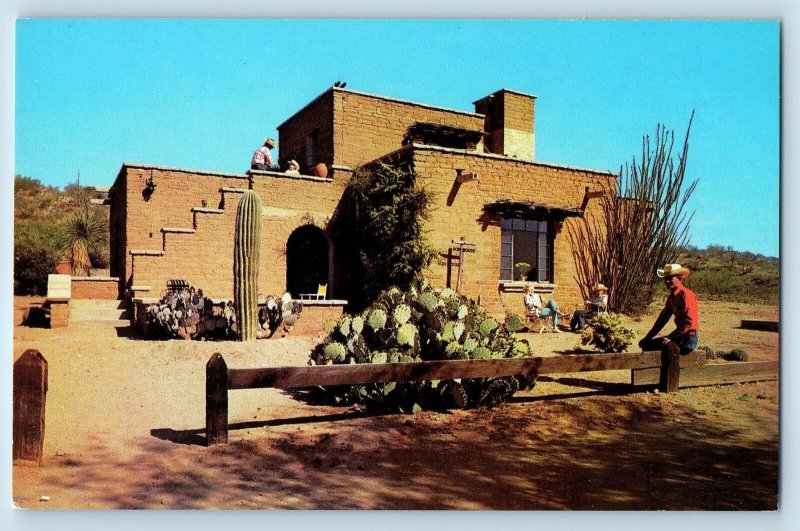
column 149, row 188
column 465, row 177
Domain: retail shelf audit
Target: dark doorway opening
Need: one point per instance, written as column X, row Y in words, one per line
column 306, row 260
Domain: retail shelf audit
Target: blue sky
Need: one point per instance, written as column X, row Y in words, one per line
column 91, row 94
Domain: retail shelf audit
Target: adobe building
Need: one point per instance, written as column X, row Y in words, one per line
column 488, row 190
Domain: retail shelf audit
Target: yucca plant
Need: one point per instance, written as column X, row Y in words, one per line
column 84, row 230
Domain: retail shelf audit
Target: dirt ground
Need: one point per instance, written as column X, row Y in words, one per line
column 125, row 418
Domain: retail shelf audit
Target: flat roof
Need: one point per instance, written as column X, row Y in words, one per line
column 385, row 98
column 493, row 94
column 189, row 170
column 498, row 157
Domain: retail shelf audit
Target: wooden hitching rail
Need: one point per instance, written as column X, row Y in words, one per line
column 666, row 369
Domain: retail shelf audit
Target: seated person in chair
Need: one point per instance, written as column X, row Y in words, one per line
column 593, row 306
column 535, row 308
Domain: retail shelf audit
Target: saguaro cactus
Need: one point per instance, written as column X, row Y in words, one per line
column 246, row 253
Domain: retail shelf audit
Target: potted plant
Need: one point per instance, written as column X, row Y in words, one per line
column 521, row 270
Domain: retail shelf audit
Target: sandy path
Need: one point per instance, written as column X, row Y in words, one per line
column 125, row 419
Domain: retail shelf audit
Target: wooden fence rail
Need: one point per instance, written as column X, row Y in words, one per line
column 668, row 369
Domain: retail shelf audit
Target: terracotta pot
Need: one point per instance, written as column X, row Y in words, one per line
column 321, row 170
column 63, row 268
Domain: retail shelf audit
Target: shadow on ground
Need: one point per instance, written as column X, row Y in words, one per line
column 532, row 453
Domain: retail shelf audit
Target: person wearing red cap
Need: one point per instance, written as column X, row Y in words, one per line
column 682, row 304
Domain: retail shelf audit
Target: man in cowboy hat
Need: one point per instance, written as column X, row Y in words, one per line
column 594, row 305
column 262, row 158
column 682, row 304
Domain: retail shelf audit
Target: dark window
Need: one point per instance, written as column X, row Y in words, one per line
column 312, row 146
column 525, row 250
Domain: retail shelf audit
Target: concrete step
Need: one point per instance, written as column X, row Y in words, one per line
column 97, row 310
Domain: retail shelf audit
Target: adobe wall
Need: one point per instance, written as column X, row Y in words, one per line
column 118, row 230
column 510, row 124
column 518, row 126
column 367, row 127
column 94, row 288
column 458, row 212
column 293, row 132
column 204, row 257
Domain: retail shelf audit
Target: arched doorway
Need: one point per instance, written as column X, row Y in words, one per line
column 306, row 260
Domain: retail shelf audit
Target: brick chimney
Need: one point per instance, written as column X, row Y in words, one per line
column 509, row 120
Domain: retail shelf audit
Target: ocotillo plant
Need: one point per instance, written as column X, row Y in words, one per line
column 246, row 253
column 643, row 222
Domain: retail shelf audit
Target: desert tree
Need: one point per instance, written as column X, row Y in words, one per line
column 389, row 210
column 643, row 224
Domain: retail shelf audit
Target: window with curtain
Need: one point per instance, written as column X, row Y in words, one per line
column 525, row 250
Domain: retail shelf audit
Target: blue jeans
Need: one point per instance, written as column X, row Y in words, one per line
column 686, row 343
column 579, row 318
column 551, row 308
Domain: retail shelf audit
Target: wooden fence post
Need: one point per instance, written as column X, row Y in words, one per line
column 669, row 380
column 30, row 391
column 216, row 400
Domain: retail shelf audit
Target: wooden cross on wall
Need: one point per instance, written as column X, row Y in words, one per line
column 463, row 247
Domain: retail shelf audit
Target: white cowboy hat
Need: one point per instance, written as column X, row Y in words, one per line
column 293, row 163
column 600, row 287
column 269, row 142
column 673, row 270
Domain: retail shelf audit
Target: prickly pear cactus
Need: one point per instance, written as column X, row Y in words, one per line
column 401, row 314
column 335, row 351
column 488, row 326
column 454, row 351
column 377, row 319
column 406, row 334
column 481, row 353
column 458, row 395
column 470, row 344
column 344, row 326
column 514, row 323
column 246, row 255
column 421, row 324
column 520, row 349
column 428, row 300
column 458, row 330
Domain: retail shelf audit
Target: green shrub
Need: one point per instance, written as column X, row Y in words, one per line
column 35, row 257
column 388, row 210
column 32, row 264
column 607, row 332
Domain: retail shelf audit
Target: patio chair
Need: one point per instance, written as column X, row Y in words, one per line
column 534, row 317
column 320, row 295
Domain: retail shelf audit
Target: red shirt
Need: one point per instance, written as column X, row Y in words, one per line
column 682, row 303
